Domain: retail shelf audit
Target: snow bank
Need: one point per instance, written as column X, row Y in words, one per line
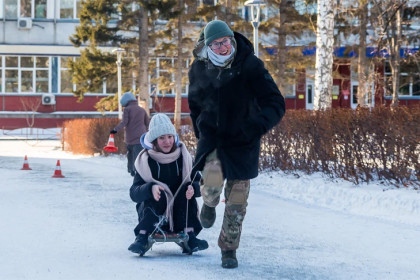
column 373, row 199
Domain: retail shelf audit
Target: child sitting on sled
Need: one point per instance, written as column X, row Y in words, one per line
column 162, row 186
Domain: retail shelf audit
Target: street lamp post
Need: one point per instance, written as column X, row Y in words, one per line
column 119, row 52
column 255, row 6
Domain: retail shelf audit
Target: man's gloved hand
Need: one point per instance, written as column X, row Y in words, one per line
column 113, row 131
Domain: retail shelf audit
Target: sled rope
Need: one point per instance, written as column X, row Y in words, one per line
column 162, row 218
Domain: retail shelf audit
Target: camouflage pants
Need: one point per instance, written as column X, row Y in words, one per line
column 236, row 196
column 212, row 180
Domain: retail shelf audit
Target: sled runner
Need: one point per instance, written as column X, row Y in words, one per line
column 181, row 239
column 160, row 236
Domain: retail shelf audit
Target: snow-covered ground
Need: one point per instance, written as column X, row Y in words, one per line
column 297, row 226
column 26, row 133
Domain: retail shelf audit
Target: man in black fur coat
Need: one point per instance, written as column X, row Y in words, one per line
column 233, row 102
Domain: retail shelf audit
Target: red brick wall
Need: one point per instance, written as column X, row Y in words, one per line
column 15, row 123
column 63, row 103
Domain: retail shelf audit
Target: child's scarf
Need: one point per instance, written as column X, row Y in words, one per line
column 143, row 168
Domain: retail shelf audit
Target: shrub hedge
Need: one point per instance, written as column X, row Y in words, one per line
column 357, row 145
column 90, row 136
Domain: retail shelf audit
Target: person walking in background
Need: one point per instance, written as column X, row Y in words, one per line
column 233, row 102
column 162, row 185
column 136, row 121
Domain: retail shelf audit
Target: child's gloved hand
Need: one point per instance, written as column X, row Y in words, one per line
column 190, row 192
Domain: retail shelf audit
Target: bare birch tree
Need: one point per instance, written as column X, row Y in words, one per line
column 30, row 106
column 389, row 15
column 281, row 43
column 178, row 72
column 324, row 54
column 144, row 61
column 362, row 66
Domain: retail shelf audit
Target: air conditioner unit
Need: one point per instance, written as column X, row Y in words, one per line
column 48, row 99
column 24, row 23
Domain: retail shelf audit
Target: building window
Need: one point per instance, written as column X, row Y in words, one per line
column 162, row 81
column 415, row 85
column 11, row 80
column 11, row 74
column 40, row 8
column 290, row 81
column 209, row 2
column 128, row 82
column 310, row 91
column 66, row 85
column 10, row 8
column 66, row 9
column 112, row 84
column 409, row 82
column 26, row 8
column 164, row 75
column 354, row 98
column 70, row 9
column 185, row 81
column 26, row 74
column 108, row 86
column 289, row 89
column 42, row 74
column 1, row 74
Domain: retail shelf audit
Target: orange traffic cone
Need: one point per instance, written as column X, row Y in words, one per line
column 26, row 164
column 57, row 172
column 110, row 147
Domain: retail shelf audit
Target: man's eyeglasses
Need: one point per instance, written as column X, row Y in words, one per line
column 216, row 45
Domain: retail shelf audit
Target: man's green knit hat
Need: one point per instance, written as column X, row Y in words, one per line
column 216, row 29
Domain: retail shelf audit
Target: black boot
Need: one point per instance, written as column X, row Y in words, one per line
column 196, row 244
column 207, row 216
column 140, row 245
column 229, row 259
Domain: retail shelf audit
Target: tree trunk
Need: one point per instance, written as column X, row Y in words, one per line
column 178, row 74
column 395, row 55
column 324, row 55
column 363, row 73
column 229, row 12
column 281, row 55
column 144, row 61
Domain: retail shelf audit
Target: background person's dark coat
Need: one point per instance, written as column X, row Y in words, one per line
column 231, row 108
column 135, row 120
